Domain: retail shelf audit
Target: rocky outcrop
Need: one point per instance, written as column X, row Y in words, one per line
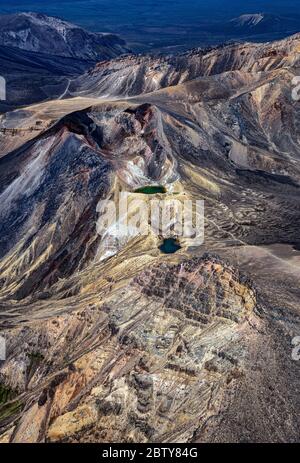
column 143, row 374
column 197, row 287
column 177, row 353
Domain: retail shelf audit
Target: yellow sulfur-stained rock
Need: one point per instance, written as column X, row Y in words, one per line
column 70, row 423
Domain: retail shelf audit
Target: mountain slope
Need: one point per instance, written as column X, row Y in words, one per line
column 133, row 75
column 40, row 55
column 232, row 128
column 31, row 77
column 108, row 338
column 53, row 36
column 262, row 23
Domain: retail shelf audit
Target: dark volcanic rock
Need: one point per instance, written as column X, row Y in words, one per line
column 31, row 77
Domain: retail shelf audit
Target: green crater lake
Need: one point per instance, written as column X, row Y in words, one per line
column 151, row 189
column 169, row 246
